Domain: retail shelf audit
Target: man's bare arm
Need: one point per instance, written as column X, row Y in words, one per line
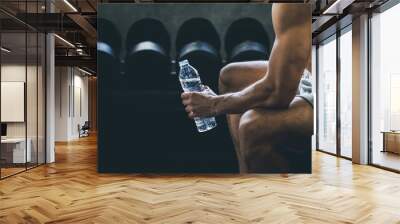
column 291, row 50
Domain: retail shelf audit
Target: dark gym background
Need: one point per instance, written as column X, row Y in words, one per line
column 173, row 15
column 145, row 129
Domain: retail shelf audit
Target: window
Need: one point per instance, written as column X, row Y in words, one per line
column 327, row 96
column 346, row 93
column 385, row 89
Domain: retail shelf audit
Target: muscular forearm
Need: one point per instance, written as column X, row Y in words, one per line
column 259, row 94
column 238, row 102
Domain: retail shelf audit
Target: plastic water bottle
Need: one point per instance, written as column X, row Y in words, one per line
column 191, row 82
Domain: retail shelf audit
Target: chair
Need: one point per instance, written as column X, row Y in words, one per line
column 84, row 130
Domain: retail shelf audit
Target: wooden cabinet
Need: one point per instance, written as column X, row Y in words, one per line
column 391, row 142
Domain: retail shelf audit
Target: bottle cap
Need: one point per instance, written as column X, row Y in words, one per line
column 184, row 62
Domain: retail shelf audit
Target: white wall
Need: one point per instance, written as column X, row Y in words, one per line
column 61, row 103
column 33, row 127
column 71, row 92
column 9, row 73
column 16, row 73
column 80, row 84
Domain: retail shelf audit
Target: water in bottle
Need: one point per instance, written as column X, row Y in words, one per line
column 191, row 82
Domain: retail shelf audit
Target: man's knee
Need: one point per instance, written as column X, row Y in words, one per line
column 238, row 75
column 250, row 133
column 247, row 125
column 258, row 147
column 226, row 76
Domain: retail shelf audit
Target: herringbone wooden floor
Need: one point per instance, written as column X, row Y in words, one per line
column 71, row 191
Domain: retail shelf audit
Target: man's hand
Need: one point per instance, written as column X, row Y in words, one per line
column 200, row 104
